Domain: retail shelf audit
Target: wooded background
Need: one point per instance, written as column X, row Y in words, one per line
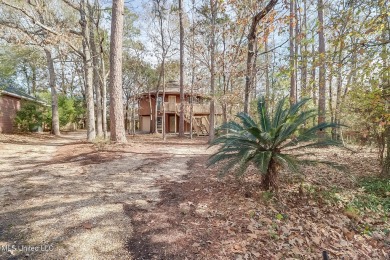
column 335, row 52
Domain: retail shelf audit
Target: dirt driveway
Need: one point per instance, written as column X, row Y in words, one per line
column 64, row 198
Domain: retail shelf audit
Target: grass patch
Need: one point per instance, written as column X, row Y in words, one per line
column 378, row 186
column 267, row 196
column 325, row 195
column 376, row 195
column 101, row 143
column 352, row 212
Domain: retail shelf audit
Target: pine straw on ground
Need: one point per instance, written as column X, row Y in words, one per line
column 188, row 213
column 210, row 218
column 24, row 138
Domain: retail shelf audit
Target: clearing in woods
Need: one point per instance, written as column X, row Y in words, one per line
column 154, row 200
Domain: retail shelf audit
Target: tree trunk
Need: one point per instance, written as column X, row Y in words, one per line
column 163, row 100
column 55, row 121
column 330, row 99
column 88, row 73
column 63, row 84
column 212, row 69
column 322, row 69
column 386, row 164
column 385, row 82
column 117, row 129
column 103, row 80
column 338, row 95
column 162, row 72
column 267, row 90
column 156, row 103
column 156, row 114
column 127, row 116
column 34, row 80
column 27, row 76
column 150, row 111
column 248, row 81
column 104, row 96
column 103, row 84
column 304, row 53
column 253, row 76
column 192, row 72
column 292, row 58
column 96, row 81
column 251, row 51
column 296, row 47
column 133, row 116
column 313, row 76
column 270, row 179
column 181, row 120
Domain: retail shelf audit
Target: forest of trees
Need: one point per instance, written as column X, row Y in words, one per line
column 335, row 52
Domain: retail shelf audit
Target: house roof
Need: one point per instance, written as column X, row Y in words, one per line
column 169, row 92
column 173, row 88
column 14, row 92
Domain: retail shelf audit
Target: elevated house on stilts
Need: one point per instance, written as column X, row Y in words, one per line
column 200, row 104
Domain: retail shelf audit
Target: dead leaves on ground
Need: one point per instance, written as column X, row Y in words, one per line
column 302, row 232
column 233, row 219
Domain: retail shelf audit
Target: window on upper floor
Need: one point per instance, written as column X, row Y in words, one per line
column 159, row 103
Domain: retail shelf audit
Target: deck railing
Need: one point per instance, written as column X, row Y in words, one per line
column 197, row 108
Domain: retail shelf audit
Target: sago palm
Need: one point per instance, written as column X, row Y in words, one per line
column 268, row 142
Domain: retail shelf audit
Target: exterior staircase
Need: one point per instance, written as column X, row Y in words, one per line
column 200, row 124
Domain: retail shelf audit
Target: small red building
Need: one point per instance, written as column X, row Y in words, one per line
column 200, row 111
column 10, row 103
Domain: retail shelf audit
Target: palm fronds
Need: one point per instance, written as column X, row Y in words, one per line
column 263, row 142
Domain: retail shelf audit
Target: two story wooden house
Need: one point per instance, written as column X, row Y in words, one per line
column 200, row 111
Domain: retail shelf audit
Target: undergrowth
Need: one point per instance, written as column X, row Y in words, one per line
column 375, row 196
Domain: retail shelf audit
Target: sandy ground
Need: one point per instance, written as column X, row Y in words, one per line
column 64, row 198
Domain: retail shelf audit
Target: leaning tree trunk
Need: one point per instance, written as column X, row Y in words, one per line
column 116, row 103
column 251, row 50
column 55, row 121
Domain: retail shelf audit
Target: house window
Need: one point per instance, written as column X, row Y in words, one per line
column 159, row 103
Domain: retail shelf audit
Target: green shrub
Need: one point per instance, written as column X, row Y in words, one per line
column 268, row 142
column 69, row 110
column 30, row 116
column 66, row 110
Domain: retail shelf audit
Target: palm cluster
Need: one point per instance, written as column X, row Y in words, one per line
column 268, row 142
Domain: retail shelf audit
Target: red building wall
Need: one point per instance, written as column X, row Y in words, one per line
column 8, row 108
